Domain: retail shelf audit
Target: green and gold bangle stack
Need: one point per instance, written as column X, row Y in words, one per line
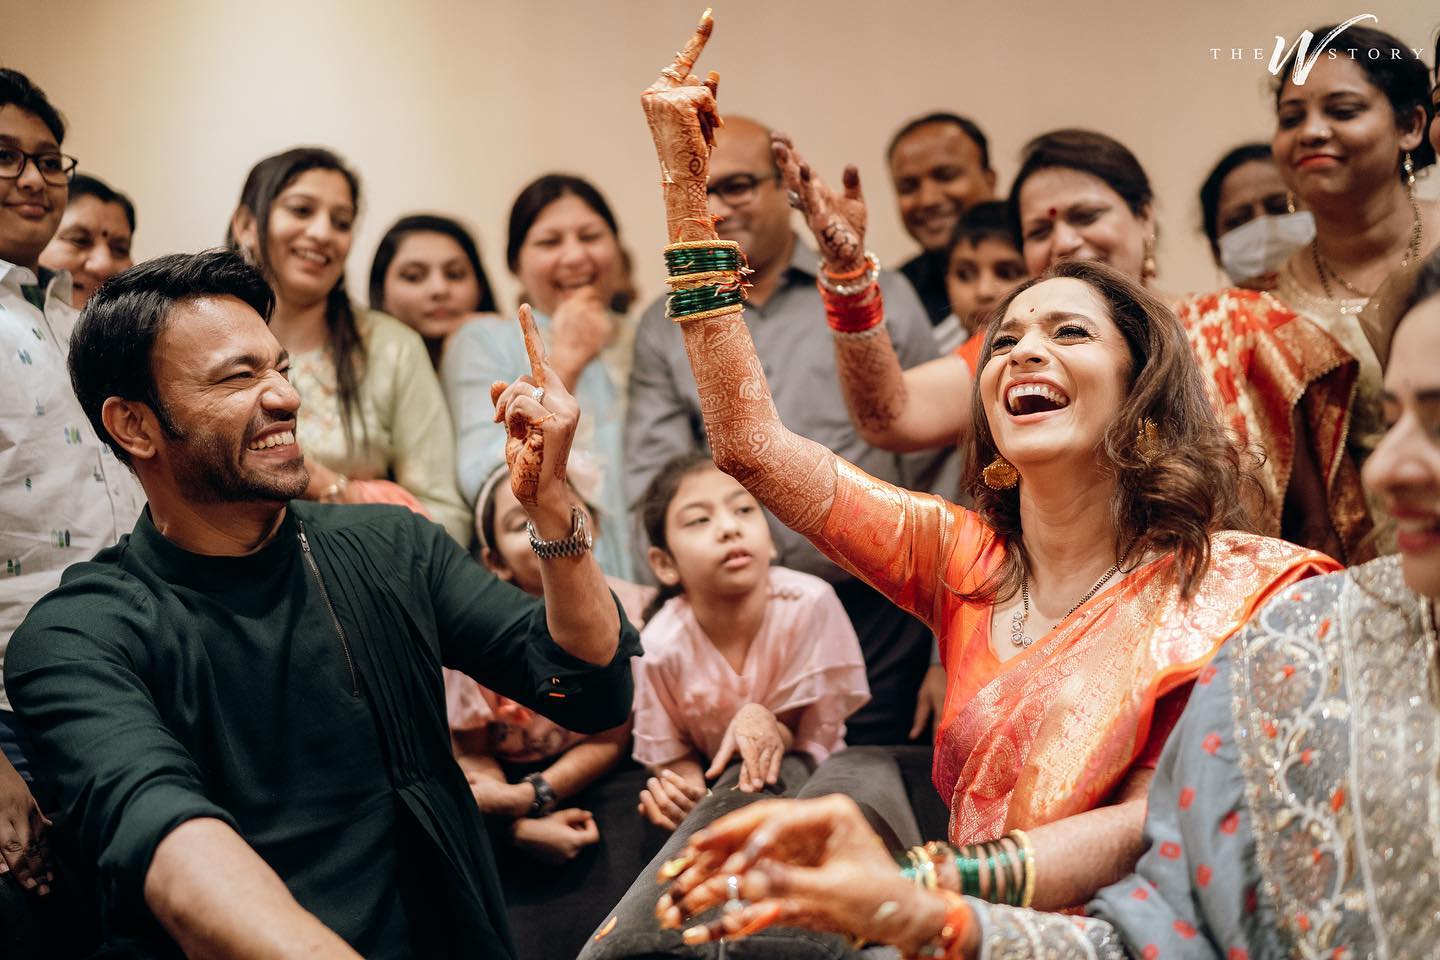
column 1000, row 871
column 707, row 279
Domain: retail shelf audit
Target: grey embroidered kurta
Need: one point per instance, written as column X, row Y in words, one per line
column 162, row 686
column 1296, row 808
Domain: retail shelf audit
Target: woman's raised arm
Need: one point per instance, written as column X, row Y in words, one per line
column 922, row 408
column 792, row 476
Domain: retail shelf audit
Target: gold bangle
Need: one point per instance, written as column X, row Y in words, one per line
column 1024, row 841
column 717, row 243
column 924, row 868
column 691, row 280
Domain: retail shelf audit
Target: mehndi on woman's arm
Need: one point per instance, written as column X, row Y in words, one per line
column 792, row 476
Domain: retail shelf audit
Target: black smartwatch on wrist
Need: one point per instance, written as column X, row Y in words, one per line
column 545, row 800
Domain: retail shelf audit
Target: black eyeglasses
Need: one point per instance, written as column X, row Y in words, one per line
column 738, row 189
column 55, row 168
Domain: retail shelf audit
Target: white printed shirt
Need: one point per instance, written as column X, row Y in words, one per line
column 63, row 494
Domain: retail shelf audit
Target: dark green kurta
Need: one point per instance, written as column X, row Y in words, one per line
column 162, row 686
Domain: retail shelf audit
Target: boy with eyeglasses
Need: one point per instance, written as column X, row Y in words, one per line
column 63, row 495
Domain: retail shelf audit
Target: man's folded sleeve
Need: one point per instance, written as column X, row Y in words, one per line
column 498, row 635
column 122, row 778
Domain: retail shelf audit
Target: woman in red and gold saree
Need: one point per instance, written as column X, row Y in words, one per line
column 1104, row 467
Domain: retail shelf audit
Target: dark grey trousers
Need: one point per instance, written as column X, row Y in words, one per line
column 869, row 775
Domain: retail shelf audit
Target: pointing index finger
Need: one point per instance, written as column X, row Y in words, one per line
column 534, row 346
column 685, row 59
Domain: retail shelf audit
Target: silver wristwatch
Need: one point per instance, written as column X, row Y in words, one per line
column 579, row 541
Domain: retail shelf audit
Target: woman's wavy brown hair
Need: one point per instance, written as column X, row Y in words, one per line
column 1171, row 500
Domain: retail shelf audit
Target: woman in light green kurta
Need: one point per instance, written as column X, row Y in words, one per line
column 373, row 422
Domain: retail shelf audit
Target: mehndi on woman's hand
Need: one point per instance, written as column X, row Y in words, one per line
column 683, row 116
column 837, row 221
column 809, row 863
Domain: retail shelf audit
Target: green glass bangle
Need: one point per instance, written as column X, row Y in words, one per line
column 681, row 262
column 686, row 261
column 684, row 303
column 1003, row 869
column 969, row 869
column 1020, row 884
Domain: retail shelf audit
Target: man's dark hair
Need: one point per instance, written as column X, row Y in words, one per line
column 111, row 350
column 17, row 90
column 966, row 125
column 84, row 185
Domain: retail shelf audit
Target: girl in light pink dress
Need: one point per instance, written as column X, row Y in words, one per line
column 742, row 659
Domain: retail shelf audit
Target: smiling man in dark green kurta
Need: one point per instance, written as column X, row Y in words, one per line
column 241, row 703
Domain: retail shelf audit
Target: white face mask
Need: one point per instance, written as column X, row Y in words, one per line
column 1262, row 245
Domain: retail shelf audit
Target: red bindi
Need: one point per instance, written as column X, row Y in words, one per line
column 1054, row 213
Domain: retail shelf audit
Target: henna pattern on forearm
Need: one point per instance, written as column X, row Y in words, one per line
column 793, row 476
column 872, row 381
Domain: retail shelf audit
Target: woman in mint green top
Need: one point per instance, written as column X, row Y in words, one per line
column 373, row 421
column 564, row 248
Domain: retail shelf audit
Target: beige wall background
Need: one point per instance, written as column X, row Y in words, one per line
column 453, row 106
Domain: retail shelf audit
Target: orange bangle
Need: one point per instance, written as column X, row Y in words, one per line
column 855, row 274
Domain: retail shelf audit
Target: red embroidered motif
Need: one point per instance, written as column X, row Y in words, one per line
column 1187, row 797
column 1170, row 850
column 1211, row 744
column 1202, row 875
column 1236, row 953
column 1337, row 799
column 1140, row 893
column 1184, row 929
column 1324, row 628
column 1231, row 823
column 1150, row 952
column 1206, row 675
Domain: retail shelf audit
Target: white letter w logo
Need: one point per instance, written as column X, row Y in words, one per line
column 1301, row 46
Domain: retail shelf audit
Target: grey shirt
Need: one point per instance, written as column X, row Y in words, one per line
column 798, row 357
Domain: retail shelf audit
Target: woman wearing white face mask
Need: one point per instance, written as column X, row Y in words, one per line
column 1251, row 218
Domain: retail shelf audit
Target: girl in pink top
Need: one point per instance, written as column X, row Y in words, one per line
column 741, row 657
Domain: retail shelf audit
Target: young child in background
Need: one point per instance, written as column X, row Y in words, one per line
column 547, row 792
column 741, row 657
column 984, row 265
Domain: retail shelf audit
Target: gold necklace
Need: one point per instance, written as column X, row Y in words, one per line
column 1019, row 638
column 1324, row 271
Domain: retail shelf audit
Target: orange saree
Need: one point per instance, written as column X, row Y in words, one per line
column 1056, row 729
column 1265, row 364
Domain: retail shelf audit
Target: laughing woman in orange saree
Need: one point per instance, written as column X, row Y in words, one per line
column 1281, row 383
column 1078, row 603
